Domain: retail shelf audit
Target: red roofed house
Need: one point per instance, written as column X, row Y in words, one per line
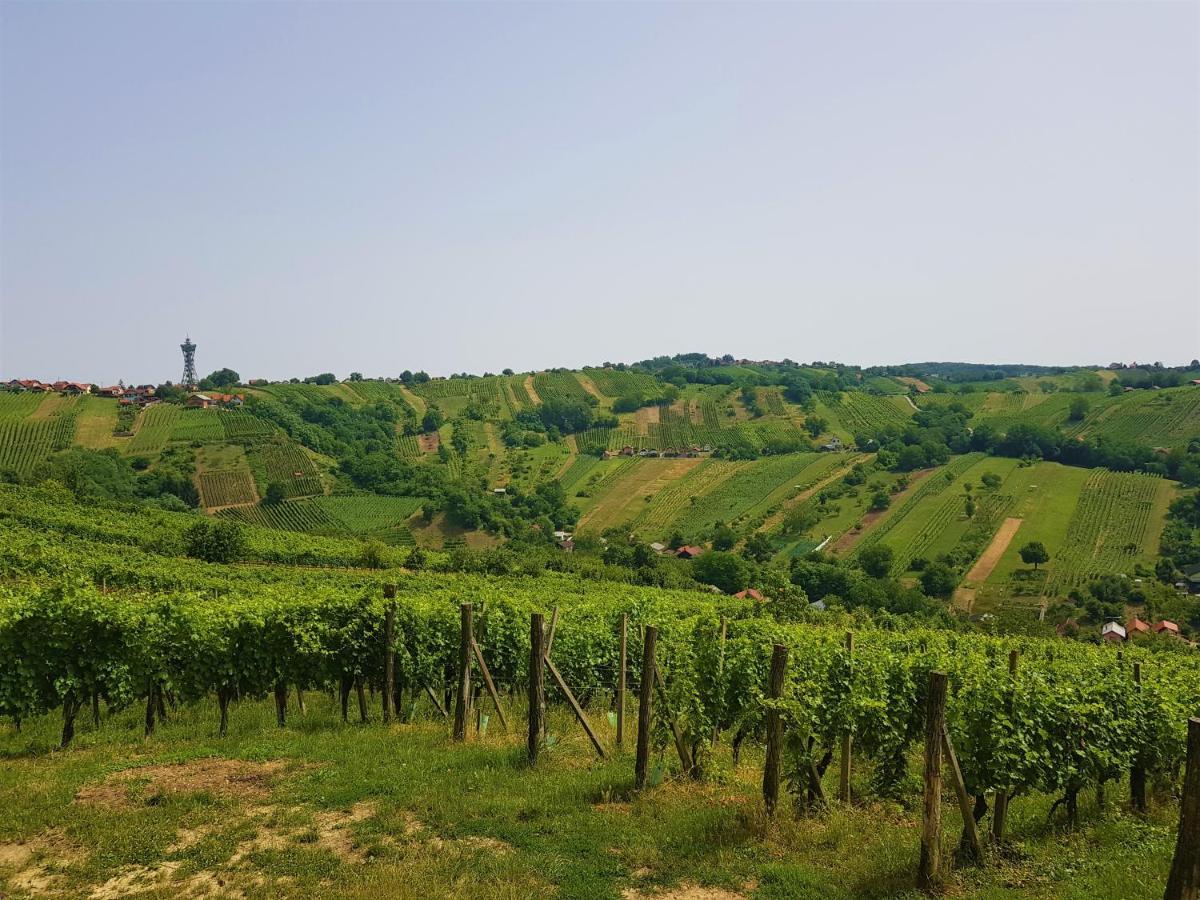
column 114, row 390
column 748, row 594
column 1137, row 626
column 689, row 552
column 1166, row 626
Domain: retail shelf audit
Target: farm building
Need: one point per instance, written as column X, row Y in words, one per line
column 1166, row 626
column 29, row 384
column 567, row 545
column 1137, row 626
column 205, row 401
column 1112, row 631
column 1191, row 578
column 658, row 547
column 748, row 594
column 72, row 387
column 689, row 552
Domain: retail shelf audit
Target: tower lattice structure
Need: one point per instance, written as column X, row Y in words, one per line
column 189, row 379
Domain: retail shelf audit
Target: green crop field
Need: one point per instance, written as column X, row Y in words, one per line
column 237, row 423
column 229, row 487
column 616, row 383
column 285, row 463
column 558, row 386
column 859, row 412
column 26, row 442
column 198, row 425
column 752, row 489
column 1168, row 418
column 1108, row 530
column 153, row 428
column 362, row 514
column 291, row 515
column 18, row 406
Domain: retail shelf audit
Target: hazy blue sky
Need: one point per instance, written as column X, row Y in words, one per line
column 321, row 186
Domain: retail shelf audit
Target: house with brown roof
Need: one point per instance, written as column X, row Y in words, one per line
column 748, row 594
column 1166, row 626
column 689, row 551
column 1137, row 626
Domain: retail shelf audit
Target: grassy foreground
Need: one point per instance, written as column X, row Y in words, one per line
column 325, row 809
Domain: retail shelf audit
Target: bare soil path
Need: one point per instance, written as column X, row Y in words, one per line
column 533, row 395
column 964, row 597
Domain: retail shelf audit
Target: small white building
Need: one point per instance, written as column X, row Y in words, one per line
column 1113, row 631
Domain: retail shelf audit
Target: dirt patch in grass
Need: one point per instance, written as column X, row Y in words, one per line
column 645, row 417
column 225, row 778
column 428, row 443
column 686, row 891
column 533, row 394
column 964, row 597
column 33, row 861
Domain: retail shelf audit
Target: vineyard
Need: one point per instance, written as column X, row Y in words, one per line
column 753, row 487
column 1168, row 418
column 1023, row 717
column 153, row 428
column 26, row 442
column 671, row 505
column 862, row 413
column 237, row 423
column 617, row 383
column 932, row 486
column 558, row 386
column 232, row 487
column 286, row 464
column 291, row 515
column 1107, row 531
column 18, row 406
column 364, row 514
column 197, row 425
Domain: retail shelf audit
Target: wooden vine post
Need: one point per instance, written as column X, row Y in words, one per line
column 537, row 683
column 720, row 674
column 935, row 724
column 1184, row 881
column 463, row 695
column 1137, row 775
column 621, row 668
column 1000, row 809
column 645, row 708
column 847, row 738
column 970, row 827
column 389, row 660
column 774, row 729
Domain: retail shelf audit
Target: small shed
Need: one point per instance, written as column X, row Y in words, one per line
column 1113, row 632
column 749, row 594
column 1166, row 626
column 689, row 551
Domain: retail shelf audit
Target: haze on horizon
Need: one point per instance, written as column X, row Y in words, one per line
column 378, row 187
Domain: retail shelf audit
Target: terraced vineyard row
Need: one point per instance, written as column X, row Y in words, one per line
column 367, row 513
column 292, row 515
column 754, row 487
column 287, row 464
column 26, row 442
column 198, row 425
column 517, row 384
column 1166, row 418
column 617, row 383
column 577, row 471
column 408, row 446
column 237, row 423
column 558, row 386
column 18, row 406
column 672, row 504
column 931, row 486
column 226, row 488
column 154, row 428
column 863, row 413
column 1107, row 530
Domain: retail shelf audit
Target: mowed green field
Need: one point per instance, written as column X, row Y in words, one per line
column 1058, row 505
